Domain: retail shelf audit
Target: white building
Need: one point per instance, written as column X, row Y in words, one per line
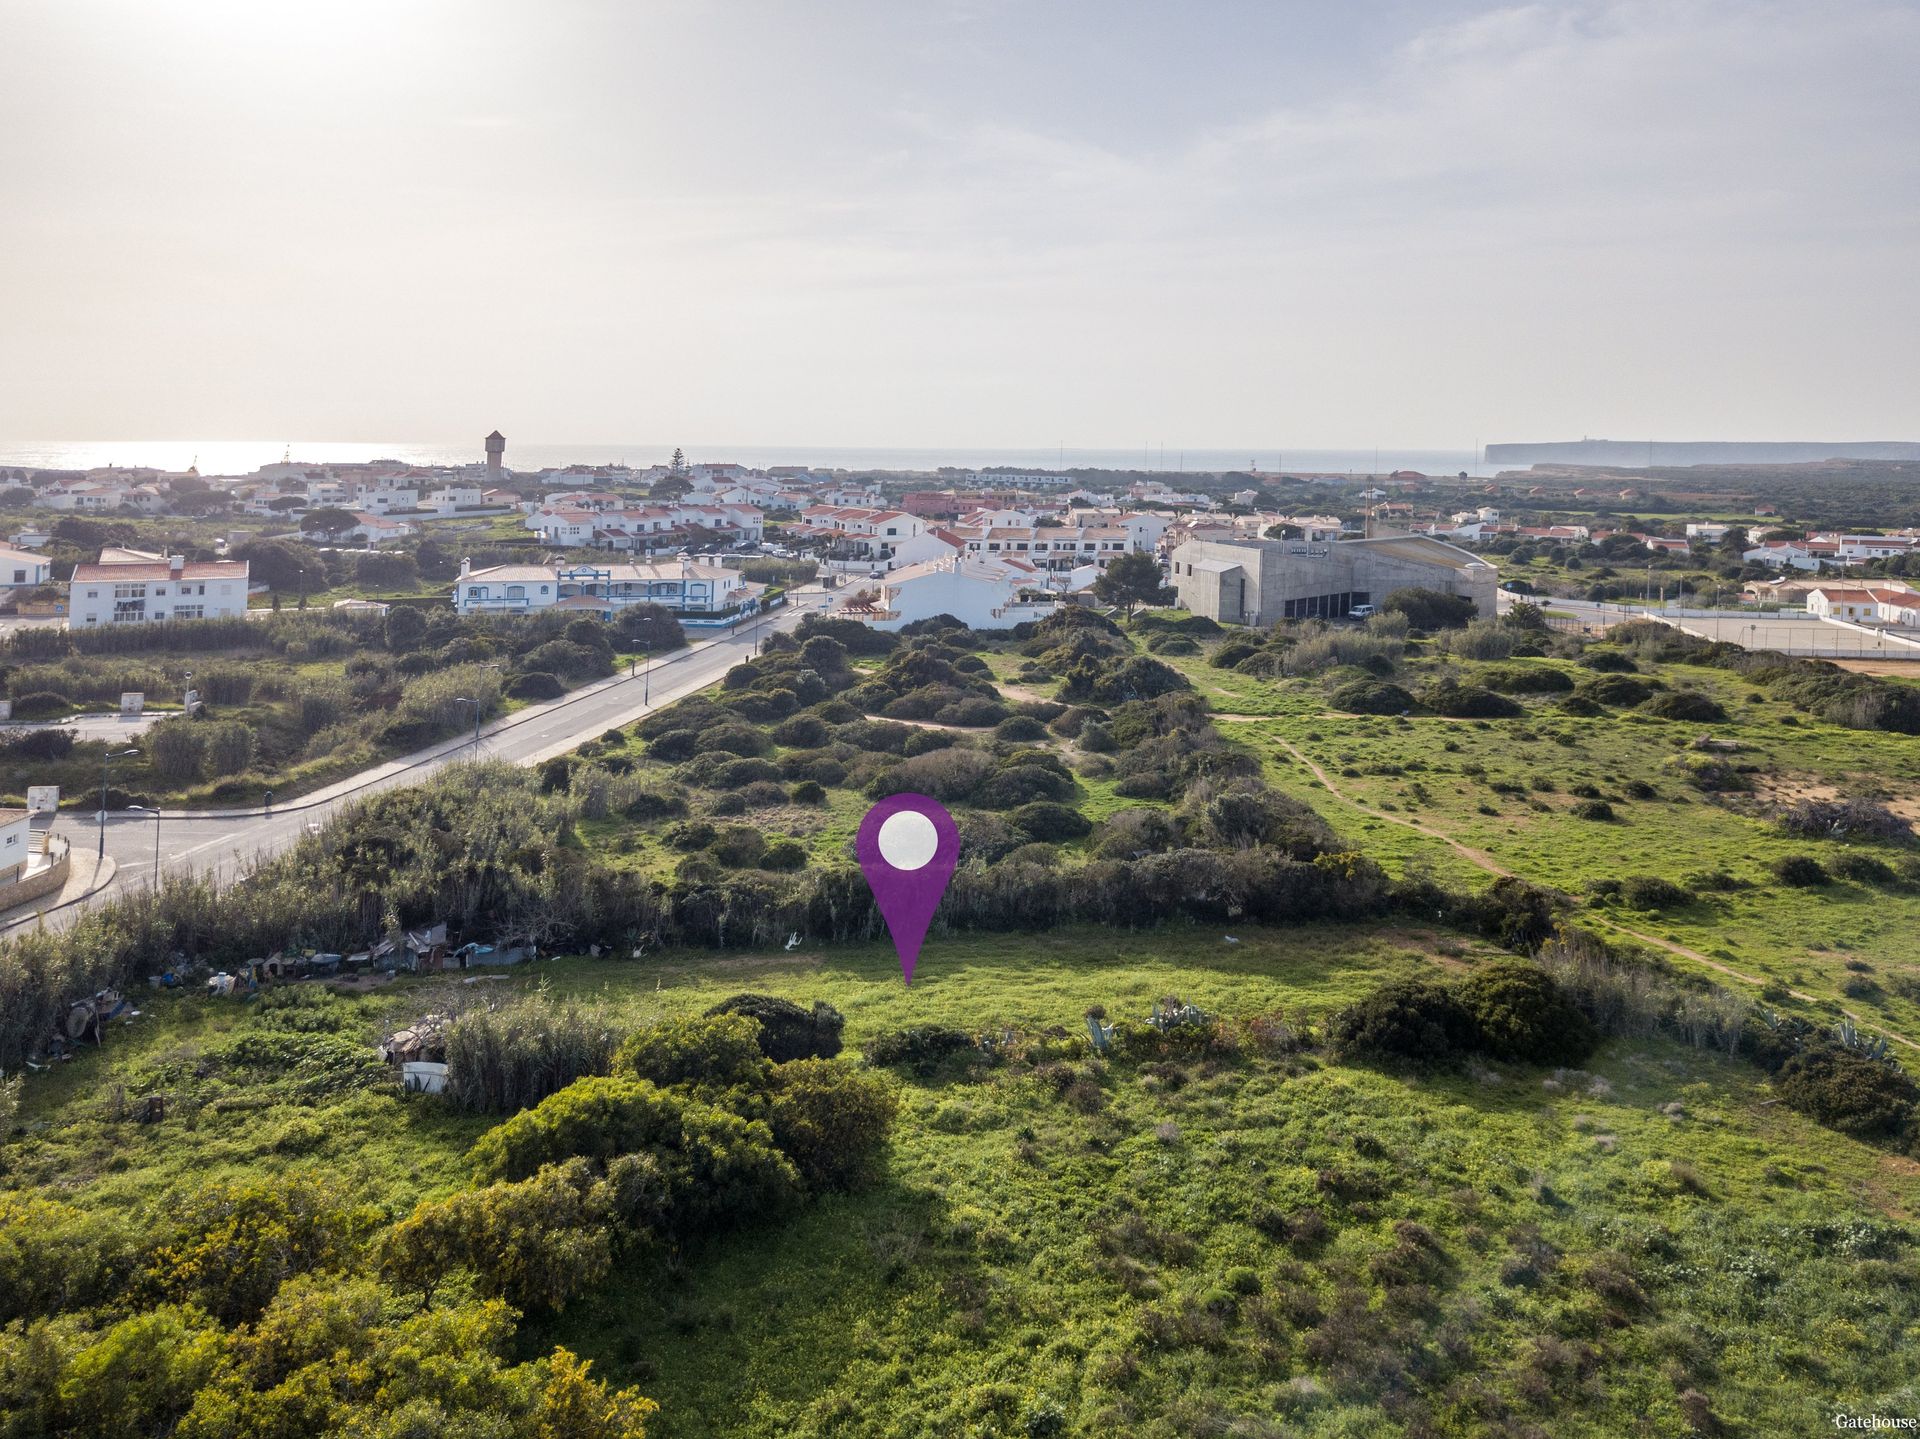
column 129, row 588
column 679, row 585
column 22, row 570
column 378, row 529
column 16, row 843
column 1868, row 604
column 1708, row 532
column 452, row 498
column 989, row 479
column 981, row 594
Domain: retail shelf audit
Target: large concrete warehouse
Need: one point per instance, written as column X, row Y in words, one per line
column 1256, row 582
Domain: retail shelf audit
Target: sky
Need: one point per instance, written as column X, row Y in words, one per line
column 960, row 221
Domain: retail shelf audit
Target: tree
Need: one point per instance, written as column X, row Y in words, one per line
column 280, row 504
column 1431, row 609
column 678, row 465
column 673, row 487
column 405, row 628
column 1133, row 579
column 330, row 523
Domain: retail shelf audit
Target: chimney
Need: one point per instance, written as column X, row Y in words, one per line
column 176, row 564
column 466, row 566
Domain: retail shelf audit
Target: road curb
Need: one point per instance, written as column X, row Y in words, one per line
column 103, row 875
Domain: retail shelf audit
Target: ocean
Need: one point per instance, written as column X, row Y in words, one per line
column 242, row 457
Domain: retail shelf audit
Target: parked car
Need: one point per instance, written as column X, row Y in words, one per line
column 1361, row 612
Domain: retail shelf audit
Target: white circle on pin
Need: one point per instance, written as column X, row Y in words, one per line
column 908, row 840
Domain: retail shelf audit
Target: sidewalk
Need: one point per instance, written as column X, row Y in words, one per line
column 87, row 875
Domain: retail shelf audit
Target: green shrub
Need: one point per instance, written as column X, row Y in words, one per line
column 1455, row 700
column 1519, row 1014
column 1371, row 697
column 830, row 1119
column 1849, row 1092
column 1597, row 810
column 535, row 685
column 1863, row 869
column 1412, row 1020
column 788, row 1032
column 1045, row 821
column 1650, row 891
column 1687, row 705
column 1620, row 690
column 708, row 1165
column 509, row 1056
column 716, row 1050
column 922, row 1045
column 1802, row 871
column 1526, row 679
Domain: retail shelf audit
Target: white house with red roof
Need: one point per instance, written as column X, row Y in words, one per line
column 1865, row 604
column 129, row 587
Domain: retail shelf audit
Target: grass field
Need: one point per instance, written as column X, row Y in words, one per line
column 1111, row 1247
column 1503, row 789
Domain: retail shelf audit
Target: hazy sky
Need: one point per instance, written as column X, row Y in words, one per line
column 1336, row 223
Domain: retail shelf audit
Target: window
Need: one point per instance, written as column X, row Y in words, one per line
column 19, row 578
column 190, row 612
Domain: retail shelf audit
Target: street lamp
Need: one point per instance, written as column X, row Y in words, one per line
column 122, row 754
column 153, row 810
column 464, row 700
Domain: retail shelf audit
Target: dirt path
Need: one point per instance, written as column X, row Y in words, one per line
column 1487, row 863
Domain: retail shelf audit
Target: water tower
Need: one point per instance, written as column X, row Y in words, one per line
column 496, row 448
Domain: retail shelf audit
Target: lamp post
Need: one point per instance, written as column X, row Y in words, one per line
column 646, row 675
column 121, row 754
column 153, row 810
column 465, row 700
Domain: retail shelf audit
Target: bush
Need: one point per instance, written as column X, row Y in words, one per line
column 1863, row 869
column 740, row 846
column 1615, row 689
column 830, row 1119
column 1520, row 1014
column 1838, row 818
column 537, row 685
column 1802, row 871
column 40, row 744
column 1527, row 679
column 718, row 1050
column 1687, row 705
column 809, row 792
column 41, row 704
column 1020, row 729
column 708, row 1164
column 920, row 1046
column 1608, row 662
column 1597, row 810
column 1371, row 697
column 784, row 855
column 1455, row 700
column 948, row 775
column 511, row 1056
column 1650, row 891
column 1042, row 820
column 1870, row 1098
column 788, row 1032
column 1427, row 609
column 1023, row 784
column 1412, row 1020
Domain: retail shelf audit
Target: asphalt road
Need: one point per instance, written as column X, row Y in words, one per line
column 228, row 843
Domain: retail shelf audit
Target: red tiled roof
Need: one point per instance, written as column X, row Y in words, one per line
column 192, row 570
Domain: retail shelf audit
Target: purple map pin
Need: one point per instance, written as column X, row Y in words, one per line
column 907, row 848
